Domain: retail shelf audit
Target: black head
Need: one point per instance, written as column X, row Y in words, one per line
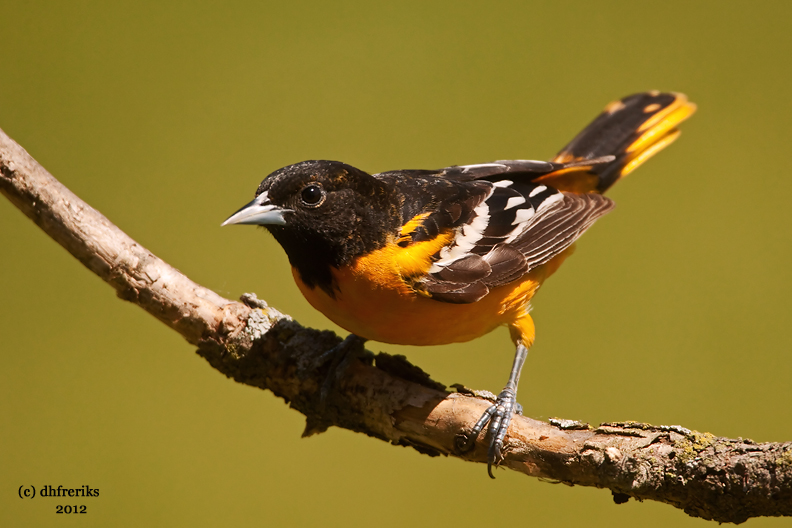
column 323, row 213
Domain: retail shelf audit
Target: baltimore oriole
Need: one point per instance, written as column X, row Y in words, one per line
column 428, row 257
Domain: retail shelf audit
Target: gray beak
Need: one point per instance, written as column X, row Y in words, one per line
column 258, row 212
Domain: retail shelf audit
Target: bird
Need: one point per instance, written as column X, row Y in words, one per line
column 430, row 257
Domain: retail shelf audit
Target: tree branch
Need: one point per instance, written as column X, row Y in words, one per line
column 386, row 397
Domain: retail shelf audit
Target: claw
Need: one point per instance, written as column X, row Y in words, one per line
column 498, row 416
column 470, row 437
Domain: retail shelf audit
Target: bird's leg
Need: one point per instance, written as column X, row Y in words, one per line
column 499, row 415
column 340, row 357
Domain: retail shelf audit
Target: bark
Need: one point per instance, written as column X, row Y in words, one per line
column 386, row 397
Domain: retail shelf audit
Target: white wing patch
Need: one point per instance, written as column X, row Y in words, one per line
column 514, row 201
column 522, row 216
column 537, row 191
column 468, row 168
column 466, row 237
column 525, row 217
column 512, row 216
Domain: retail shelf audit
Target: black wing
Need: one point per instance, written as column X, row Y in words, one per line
column 504, row 223
column 523, row 170
column 517, row 227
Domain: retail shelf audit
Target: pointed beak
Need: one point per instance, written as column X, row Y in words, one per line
column 258, row 212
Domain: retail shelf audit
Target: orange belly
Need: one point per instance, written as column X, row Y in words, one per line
column 396, row 315
column 373, row 298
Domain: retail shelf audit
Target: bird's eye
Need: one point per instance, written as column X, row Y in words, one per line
column 312, row 195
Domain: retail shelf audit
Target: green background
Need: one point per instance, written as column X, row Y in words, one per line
column 165, row 117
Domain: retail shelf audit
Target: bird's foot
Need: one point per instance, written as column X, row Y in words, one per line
column 340, row 356
column 498, row 416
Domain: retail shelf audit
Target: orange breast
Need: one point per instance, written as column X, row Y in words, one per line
column 374, row 301
column 391, row 315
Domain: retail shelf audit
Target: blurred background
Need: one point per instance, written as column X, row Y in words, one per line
column 165, row 117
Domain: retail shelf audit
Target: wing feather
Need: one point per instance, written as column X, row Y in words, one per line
column 503, row 223
column 508, row 248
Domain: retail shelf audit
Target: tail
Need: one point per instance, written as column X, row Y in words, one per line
column 631, row 130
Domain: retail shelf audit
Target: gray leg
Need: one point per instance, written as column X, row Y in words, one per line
column 499, row 415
